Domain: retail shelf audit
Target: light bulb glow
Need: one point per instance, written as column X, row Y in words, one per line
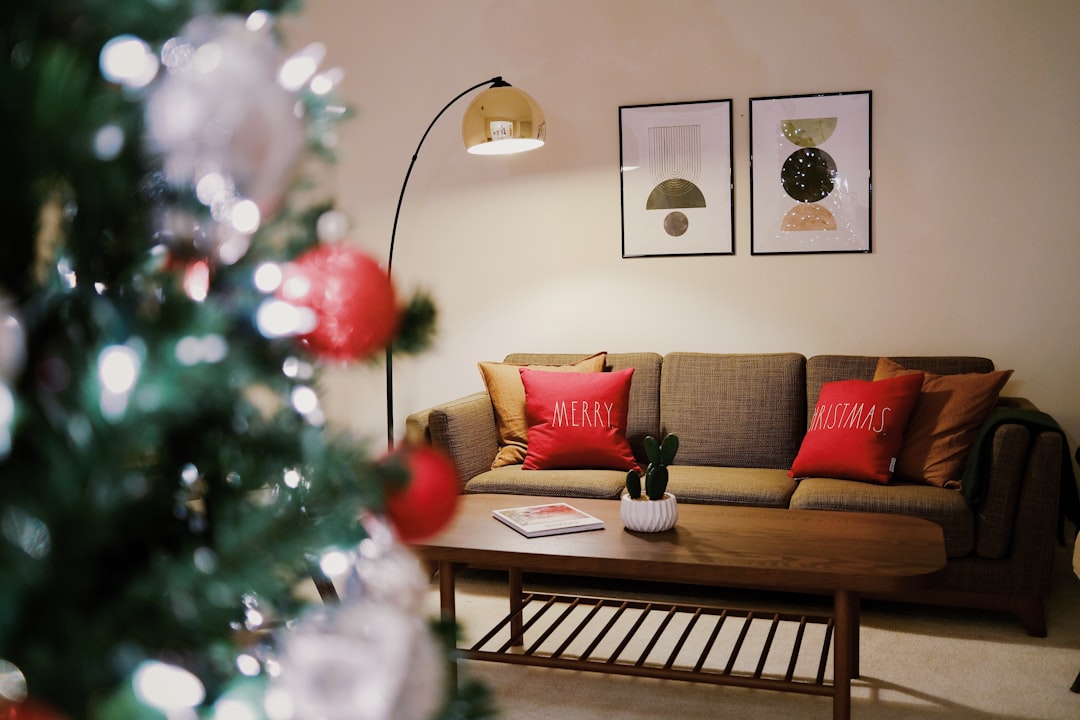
column 108, row 142
column 245, row 217
column 118, row 368
column 508, row 146
column 292, row 478
column 197, row 280
column 257, row 20
column 248, row 664
column 211, row 187
column 334, row 563
column 304, row 399
column 167, row 687
column 325, row 82
column 277, row 318
column 298, row 69
column 127, row 60
column 268, row 277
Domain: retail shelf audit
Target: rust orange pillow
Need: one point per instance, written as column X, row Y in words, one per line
column 857, row 429
column 503, row 383
column 946, row 420
column 577, row 420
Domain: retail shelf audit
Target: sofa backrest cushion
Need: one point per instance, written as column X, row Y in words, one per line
column 643, row 417
column 821, row 369
column 734, row 410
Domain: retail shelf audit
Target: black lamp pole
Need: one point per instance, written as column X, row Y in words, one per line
column 493, row 82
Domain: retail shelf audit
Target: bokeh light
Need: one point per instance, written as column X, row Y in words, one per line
column 129, row 61
column 268, row 277
column 118, row 368
column 277, row 318
column 334, row 563
column 167, row 687
column 245, row 217
column 298, row 69
column 108, row 142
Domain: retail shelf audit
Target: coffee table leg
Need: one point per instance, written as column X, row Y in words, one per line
column 856, row 640
column 447, row 604
column 448, row 607
column 515, row 607
column 845, row 651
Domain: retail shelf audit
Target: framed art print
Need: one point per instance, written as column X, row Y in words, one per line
column 810, row 174
column 676, row 179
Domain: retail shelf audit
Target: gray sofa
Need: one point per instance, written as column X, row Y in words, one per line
column 741, row 418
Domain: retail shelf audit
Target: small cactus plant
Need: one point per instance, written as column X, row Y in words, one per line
column 660, row 455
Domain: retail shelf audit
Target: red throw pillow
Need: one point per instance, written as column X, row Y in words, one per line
column 858, row 429
column 577, row 420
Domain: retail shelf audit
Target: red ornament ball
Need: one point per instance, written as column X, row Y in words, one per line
column 352, row 297
column 424, row 506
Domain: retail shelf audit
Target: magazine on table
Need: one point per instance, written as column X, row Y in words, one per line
column 548, row 519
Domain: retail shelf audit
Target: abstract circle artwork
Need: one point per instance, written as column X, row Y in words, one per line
column 810, row 173
column 676, row 178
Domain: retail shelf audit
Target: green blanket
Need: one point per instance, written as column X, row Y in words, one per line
column 974, row 471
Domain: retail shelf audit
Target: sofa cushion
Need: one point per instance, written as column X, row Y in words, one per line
column 503, row 382
column 734, row 410
column 754, row 487
column 577, row 420
column 947, row 417
column 513, row 480
column 947, row 508
column 643, row 417
column 857, row 429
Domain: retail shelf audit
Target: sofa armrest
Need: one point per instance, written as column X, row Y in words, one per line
column 1002, row 477
column 464, row 429
column 1037, row 508
column 1019, row 512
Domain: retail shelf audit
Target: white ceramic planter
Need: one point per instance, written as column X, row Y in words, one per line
column 644, row 515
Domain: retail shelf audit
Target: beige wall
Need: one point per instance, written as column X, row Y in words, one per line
column 976, row 119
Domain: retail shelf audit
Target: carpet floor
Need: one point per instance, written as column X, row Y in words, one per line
column 917, row 662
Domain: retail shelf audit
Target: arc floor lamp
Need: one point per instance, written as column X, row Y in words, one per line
column 499, row 121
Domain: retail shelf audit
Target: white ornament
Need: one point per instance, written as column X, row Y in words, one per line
column 384, row 570
column 350, row 662
column 219, row 111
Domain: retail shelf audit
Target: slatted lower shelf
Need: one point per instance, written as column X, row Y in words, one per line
column 723, row 646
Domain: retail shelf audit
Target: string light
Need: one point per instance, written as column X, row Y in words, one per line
column 127, row 60
column 167, row 687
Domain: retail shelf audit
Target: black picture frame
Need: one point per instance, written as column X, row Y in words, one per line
column 810, row 174
column 676, row 180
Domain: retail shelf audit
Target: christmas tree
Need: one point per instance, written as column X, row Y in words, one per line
column 168, row 294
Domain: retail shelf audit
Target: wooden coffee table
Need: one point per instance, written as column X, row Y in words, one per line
column 832, row 553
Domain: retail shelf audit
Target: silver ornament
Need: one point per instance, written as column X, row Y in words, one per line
column 226, row 130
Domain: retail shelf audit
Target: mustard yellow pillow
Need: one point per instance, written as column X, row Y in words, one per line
column 503, row 381
column 946, row 419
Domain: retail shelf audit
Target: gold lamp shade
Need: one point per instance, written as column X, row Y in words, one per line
column 503, row 120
